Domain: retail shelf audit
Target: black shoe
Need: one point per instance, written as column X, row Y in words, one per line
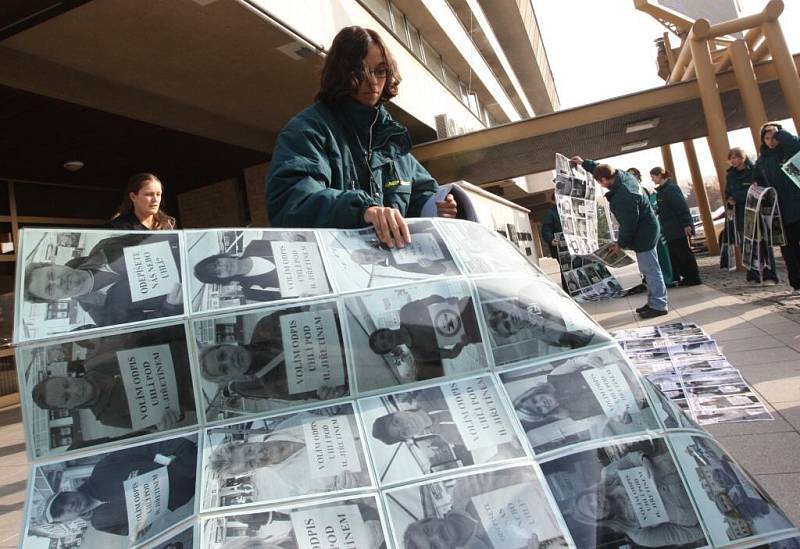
column 643, row 308
column 652, row 313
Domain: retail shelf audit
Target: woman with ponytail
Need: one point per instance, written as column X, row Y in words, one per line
column 141, row 207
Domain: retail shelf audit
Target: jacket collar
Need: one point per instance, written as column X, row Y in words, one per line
column 666, row 184
column 748, row 165
column 389, row 139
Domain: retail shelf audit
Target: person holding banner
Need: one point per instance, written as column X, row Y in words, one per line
column 102, row 498
column 740, row 176
column 118, row 399
column 258, row 369
column 778, row 146
column 608, row 504
column 379, row 254
column 676, row 226
column 141, row 207
column 661, row 247
column 344, row 162
column 104, row 286
column 638, row 229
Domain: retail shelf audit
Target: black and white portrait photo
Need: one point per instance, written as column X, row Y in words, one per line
column 113, row 500
column 360, row 261
column 271, row 359
column 345, row 523
column 100, row 279
column 283, row 457
column 585, row 397
column 481, row 250
column 456, row 424
column 99, row 390
column 624, row 495
column 231, row 268
column 530, row 318
column 501, row 509
column 414, row 333
column 732, row 505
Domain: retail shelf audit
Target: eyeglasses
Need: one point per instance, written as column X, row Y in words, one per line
column 379, row 74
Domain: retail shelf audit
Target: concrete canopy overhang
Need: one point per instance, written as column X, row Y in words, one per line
column 597, row 131
column 221, row 70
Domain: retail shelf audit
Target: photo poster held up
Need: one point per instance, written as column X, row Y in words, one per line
column 470, row 408
column 583, row 263
column 763, row 229
column 727, row 256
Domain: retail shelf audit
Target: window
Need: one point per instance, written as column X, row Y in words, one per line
column 451, row 79
column 416, row 41
column 399, row 24
column 380, row 8
column 433, row 59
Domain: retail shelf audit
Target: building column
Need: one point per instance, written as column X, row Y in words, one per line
column 716, row 125
column 702, row 197
column 669, row 163
column 782, row 60
column 748, row 89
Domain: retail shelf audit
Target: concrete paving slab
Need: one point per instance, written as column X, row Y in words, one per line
column 783, row 488
column 748, row 343
column 765, row 453
column 735, row 331
column 781, row 353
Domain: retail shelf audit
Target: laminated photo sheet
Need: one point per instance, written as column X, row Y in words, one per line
column 625, row 494
column 529, row 319
column 79, row 393
column 182, row 538
column 230, row 268
column 480, row 251
column 70, row 280
column 269, row 359
column 279, row 458
column 276, row 436
column 586, row 397
column 116, row 499
column 501, row 508
column 453, row 425
column 686, row 364
column 359, row 261
column 792, row 169
column 357, row 522
column 733, row 507
column 414, row 333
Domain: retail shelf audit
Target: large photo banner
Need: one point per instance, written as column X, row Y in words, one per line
column 311, row 389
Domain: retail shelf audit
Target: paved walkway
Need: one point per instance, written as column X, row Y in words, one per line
column 765, row 346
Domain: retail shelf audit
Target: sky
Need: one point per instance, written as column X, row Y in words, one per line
column 591, row 64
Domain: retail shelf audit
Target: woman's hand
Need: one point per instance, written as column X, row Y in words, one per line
column 447, row 208
column 174, row 297
column 389, row 225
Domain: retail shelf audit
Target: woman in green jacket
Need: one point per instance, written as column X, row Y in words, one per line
column 676, row 226
column 343, row 162
column 778, row 146
column 738, row 179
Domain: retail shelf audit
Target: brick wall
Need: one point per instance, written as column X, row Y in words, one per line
column 254, row 179
column 217, row 205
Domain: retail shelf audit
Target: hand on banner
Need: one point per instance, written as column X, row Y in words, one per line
column 168, row 419
column 614, row 248
column 447, row 208
column 577, row 160
column 174, row 296
column 554, row 242
column 688, row 231
column 389, row 225
column 731, row 201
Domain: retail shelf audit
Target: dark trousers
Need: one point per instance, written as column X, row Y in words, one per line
column 791, row 253
column 684, row 265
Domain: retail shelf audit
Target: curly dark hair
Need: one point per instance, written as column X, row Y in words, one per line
column 343, row 71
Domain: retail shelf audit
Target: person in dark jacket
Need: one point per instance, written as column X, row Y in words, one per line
column 738, row 179
column 778, row 146
column 638, row 229
column 550, row 226
column 661, row 247
column 141, row 206
column 101, row 501
column 344, row 162
column 677, row 226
